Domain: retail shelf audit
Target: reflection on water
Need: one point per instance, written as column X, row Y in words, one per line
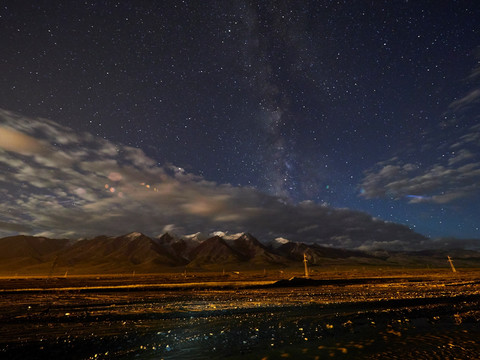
column 400, row 321
column 298, row 333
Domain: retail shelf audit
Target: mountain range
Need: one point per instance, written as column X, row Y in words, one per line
column 170, row 253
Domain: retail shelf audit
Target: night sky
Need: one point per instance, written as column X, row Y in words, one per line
column 210, row 115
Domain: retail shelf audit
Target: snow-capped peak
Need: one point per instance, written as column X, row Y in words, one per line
column 229, row 238
column 218, row 233
column 279, row 241
column 133, row 235
column 198, row 237
column 233, row 236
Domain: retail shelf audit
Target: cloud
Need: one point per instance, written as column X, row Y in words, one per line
column 85, row 186
column 452, row 174
column 8, row 226
column 439, row 183
column 15, row 141
column 471, row 98
column 460, row 157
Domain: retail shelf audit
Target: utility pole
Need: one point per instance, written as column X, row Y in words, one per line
column 305, row 261
column 451, row 263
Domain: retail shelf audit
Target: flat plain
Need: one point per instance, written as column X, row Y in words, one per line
column 361, row 314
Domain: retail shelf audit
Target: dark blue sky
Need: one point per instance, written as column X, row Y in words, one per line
column 365, row 105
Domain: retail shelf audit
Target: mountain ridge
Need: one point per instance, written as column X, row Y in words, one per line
column 136, row 252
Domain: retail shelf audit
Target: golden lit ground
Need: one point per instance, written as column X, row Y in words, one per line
column 205, row 315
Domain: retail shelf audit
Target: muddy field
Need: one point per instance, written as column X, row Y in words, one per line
column 414, row 315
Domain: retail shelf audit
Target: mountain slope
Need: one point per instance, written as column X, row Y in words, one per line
column 30, row 252
column 125, row 253
column 215, row 251
column 139, row 253
column 179, row 248
column 321, row 255
column 255, row 252
column 29, row 246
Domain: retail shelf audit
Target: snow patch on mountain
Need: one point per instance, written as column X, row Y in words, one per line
column 197, row 237
column 279, row 241
column 133, row 235
column 226, row 236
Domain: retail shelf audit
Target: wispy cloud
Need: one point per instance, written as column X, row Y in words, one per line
column 439, row 183
column 452, row 174
column 57, row 182
column 445, row 181
column 471, row 98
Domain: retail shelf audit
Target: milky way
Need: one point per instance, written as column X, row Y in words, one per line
column 368, row 106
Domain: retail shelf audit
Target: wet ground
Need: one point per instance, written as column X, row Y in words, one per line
column 420, row 317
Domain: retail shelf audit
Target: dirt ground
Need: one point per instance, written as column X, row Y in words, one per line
column 400, row 314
